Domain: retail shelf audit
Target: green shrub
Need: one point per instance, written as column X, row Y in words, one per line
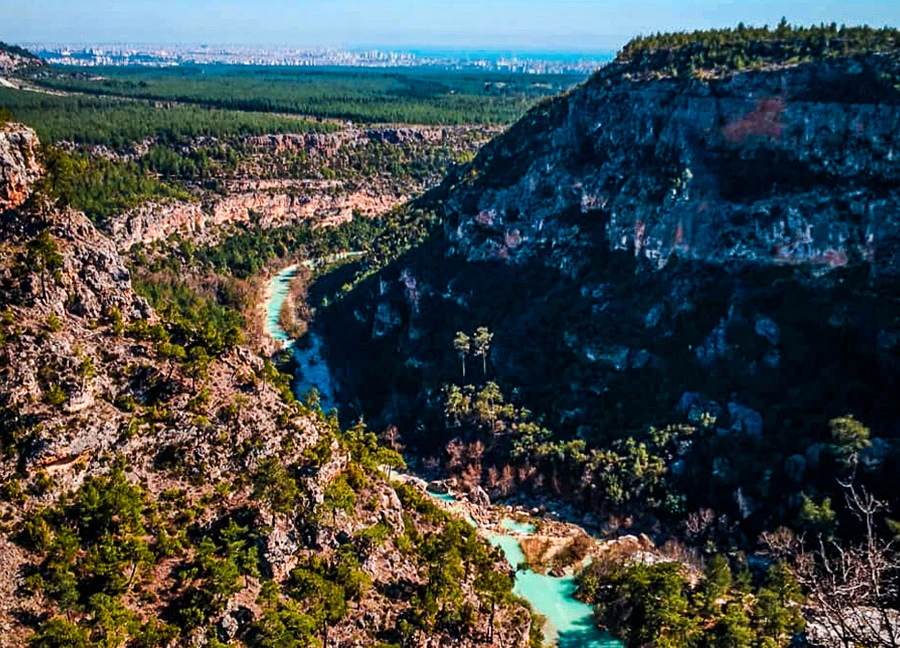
column 55, row 395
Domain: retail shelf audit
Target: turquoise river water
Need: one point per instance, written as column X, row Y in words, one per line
column 570, row 621
column 313, row 372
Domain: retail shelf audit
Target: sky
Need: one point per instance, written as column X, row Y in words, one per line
column 534, row 25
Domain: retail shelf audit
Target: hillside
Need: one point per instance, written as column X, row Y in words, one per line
column 655, row 248
column 161, row 486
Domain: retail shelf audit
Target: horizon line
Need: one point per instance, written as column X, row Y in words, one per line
column 404, row 48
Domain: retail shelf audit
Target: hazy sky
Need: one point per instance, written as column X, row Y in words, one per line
column 521, row 24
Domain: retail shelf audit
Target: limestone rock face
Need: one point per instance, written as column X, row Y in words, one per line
column 65, row 334
column 266, row 196
column 20, row 166
column 16, row 59
column 155, row 221
column 783, row 166
column 253, row 204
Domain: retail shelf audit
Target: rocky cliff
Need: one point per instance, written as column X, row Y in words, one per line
column 351, row 171
column 649, row 248
column 793, row 165
column 13, row 58
column 19, row 165
column 264, row 204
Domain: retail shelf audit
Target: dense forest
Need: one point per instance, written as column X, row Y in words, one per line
column 119, row 124
column 659, row 605
column 101, row 187
column 395, row 96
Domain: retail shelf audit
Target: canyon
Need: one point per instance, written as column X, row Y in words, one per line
column 644, row 340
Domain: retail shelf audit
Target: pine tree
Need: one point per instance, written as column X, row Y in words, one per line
column 482, row 346
column 273, row 484
column 463, row 345
column 44, row 256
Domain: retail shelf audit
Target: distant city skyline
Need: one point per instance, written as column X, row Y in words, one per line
column 149, row 55
column 496, row 25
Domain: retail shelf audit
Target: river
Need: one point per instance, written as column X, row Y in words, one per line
column 312, row 369
column 570, row 622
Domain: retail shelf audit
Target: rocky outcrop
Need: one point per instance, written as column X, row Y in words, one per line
column 346, row 172
column 330, row 144
column 156, row 221
column 20, row 165
column 68, row 361
column 266, row 207
column 91, row 378
column 15, row 58
column 271, row 208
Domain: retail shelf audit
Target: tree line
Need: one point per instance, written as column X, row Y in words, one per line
column 747, row 46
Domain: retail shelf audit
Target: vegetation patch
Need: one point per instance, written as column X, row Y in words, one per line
column 685, row 53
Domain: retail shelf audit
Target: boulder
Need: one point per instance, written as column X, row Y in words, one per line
column 767, row 328
column 279, row 555
column 19, row 165
column 415, row 482
column 479, row 497
column 439, row 487
column 234, row 622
